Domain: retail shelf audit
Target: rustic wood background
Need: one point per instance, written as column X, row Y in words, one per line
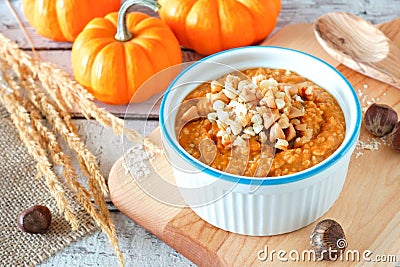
column 139, row 247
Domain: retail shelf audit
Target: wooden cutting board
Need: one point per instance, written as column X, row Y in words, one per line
column 368, row 207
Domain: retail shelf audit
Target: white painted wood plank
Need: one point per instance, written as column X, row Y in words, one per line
column 106, row 146
column 140, row 248
column 376, row 11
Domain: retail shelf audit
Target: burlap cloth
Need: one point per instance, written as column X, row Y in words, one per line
column 19, row 190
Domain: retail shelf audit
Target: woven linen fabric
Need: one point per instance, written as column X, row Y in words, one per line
column 19, row 190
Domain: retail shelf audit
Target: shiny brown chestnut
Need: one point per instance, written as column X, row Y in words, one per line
column 328, row 240
column 34, row 220
column 380, row 119
column 394, row 137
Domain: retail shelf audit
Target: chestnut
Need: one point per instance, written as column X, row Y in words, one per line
column 328, row 240
column 34, row 220
column 394, row 137
column 380, row 119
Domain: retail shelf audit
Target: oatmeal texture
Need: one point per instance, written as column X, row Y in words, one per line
column 260, row 122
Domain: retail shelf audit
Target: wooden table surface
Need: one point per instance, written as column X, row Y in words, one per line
column 139, row 247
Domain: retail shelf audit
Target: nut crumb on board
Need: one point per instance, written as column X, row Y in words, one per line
column 371, row 143
column 136, row 159
column 364, row 98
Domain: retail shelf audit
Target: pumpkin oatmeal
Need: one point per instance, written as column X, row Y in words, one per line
column 260, row 122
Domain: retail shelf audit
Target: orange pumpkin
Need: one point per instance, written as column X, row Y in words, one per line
column 63, row 20
column 112, row 65
column 209, row 26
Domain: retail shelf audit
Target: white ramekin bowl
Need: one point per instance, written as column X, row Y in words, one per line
column 260, row 206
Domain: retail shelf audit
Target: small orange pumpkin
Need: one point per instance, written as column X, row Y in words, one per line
column 63, row 20
column 114, row 55
column 209, row 26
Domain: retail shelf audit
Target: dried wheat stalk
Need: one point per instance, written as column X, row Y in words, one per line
column 96, row 181
column 70, row 175
column 60, row 121
column 41, row 135
column 40, row 100
column 32, row 140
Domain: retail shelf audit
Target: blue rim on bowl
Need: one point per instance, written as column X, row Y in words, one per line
column 264, row 180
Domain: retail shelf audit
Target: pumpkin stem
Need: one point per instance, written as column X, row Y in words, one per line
column 123, row 34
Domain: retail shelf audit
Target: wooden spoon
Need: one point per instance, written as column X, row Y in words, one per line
column 360, row 46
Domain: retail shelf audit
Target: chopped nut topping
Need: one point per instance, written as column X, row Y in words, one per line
column 220, row 96
column 212, row 116
column 215, row 87
column 290, row 133
column 280, row 103
column 267, row 84
column 239, row 142
column 259, row 107
column 269, row 119
column 301, row 127
column 218, row 105
column 269, row 99
column 258, row 128
column 276, row 133
column 284, row 121
column 204, row 107
column 295, row 112
column 282, row 144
